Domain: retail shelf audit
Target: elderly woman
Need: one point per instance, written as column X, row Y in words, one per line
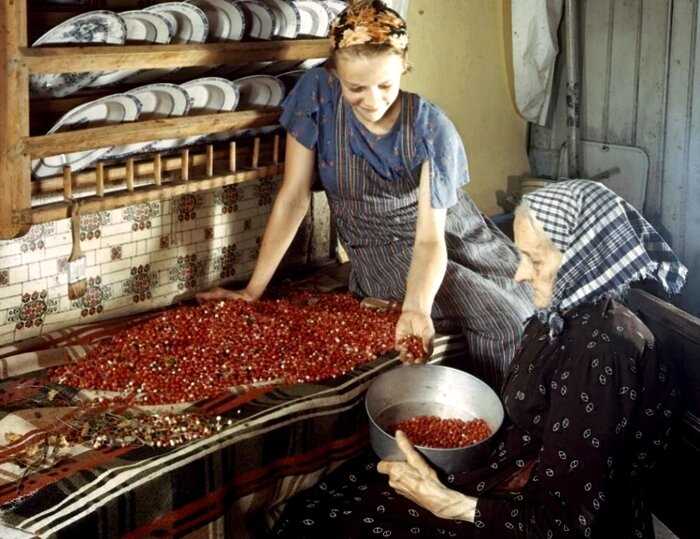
column 588, row 401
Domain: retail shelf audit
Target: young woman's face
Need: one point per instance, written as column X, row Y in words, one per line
column 539, row 261
column 370, row 85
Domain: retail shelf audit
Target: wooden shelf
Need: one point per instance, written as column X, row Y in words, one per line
column 60, row 210
column 127, row 133
column 103, row 58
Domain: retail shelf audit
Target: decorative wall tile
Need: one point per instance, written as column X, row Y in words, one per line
column 188, row 271
column 35, row 238
column 32, row 309
column 227, row 198
column 139, row 257
column 141, row 215
column 266, row 190
column 141, row 283
column 95, row 297
column 186, row 206
column 226, row 261
column 90, row 225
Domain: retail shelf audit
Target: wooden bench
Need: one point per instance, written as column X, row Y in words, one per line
column 674, row 487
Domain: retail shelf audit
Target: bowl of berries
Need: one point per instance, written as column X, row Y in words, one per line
column 449, row 415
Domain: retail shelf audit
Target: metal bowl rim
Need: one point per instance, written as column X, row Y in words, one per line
column 472, row 446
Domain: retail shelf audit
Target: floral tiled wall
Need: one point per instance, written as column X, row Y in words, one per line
column 144, row 256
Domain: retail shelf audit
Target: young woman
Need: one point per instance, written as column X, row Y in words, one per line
column 588, row 401
column 393, row 167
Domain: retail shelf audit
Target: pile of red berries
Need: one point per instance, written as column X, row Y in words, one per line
column 432, row 431
column 194, row 352
column 413, row 345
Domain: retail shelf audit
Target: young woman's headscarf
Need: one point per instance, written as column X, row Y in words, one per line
column 606, row 244
column 369, row 22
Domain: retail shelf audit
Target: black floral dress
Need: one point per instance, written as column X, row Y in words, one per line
column 587, row 415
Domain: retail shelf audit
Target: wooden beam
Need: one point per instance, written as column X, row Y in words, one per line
column 60, row 210
column 104, row 58
column 165, row 128
column 15, row 167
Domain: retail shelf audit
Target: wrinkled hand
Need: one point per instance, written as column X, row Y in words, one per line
column 222, row 293
column 417, row 481
column 414, row 323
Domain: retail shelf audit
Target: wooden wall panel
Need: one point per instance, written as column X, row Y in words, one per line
column 641, row 86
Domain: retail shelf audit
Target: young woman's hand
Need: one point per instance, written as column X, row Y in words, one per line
column 222, row 293
column 417, row 481
column 414, row 323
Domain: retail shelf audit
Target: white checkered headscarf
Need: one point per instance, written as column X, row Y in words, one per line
column 606, row 243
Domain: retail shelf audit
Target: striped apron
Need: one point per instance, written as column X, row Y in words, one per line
column 376, row 223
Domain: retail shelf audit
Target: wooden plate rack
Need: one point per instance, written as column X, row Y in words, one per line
column 138, row 178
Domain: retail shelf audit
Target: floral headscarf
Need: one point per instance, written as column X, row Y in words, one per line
column 369, row 22
column 606, row 245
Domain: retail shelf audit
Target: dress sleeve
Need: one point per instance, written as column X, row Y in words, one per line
column 606, row 420
column 303, row 106
column 443, row 148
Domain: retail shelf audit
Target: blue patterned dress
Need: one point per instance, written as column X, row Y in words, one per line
column 372, row 187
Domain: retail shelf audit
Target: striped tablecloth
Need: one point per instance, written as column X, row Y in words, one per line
column 282, row 439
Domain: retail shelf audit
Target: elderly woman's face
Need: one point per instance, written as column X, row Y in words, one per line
column 539, row 262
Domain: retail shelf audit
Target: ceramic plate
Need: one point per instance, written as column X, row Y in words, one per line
column 287, row 17
column 261, row 19
column 141, row 27
column 159, row 100
column 188, row 23
column 315, row 18
column 258, row 91
column 113, row 109
column 227, row 20
column 95, row 27
column 311, row 62
column 208, row 95
column 336, row 7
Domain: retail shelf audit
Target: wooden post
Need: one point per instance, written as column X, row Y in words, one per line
column 185, row 165
column 100, row 179
column 210, row 160
column 158, row 169
column 232, row 156
column 15, row 165
column 256, row 152
column 276, row 150
column 130, row 174
column 67, row 183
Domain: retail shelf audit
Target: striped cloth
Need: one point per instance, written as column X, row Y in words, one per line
column 282, row 440
column 606, row 243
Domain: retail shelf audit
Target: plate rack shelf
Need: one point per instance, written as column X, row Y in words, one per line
column 139, row 178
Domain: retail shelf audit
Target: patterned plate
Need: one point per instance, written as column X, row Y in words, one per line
column 208, row 95
column 160, row 100
column 141, row 27
column 287, row 17
column 95, row 27
column 258, row 91
column 227, row 21
column 262, row 21
column 189, row 24
column 336, row 7
column 113, row 109
column 315, row 18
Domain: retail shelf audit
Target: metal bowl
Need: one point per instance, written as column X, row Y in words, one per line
column 412, row 390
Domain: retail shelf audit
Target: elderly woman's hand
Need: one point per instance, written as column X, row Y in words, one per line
column 417, row 481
